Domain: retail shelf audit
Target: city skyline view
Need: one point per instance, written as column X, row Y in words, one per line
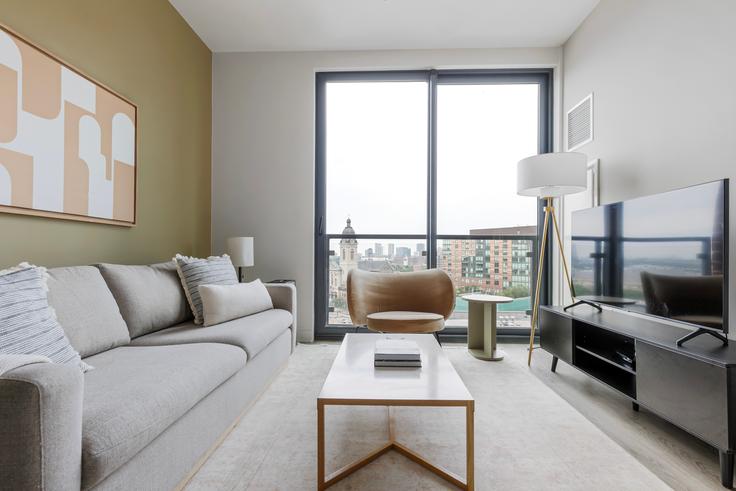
column 492, row 266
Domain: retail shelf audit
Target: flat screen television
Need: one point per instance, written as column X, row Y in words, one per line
column 664, row 255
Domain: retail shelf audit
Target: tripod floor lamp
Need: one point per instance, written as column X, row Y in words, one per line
column 549, row 176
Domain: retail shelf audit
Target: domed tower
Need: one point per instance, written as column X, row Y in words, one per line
column 348, row 252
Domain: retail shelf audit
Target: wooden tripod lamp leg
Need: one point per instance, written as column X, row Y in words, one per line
column 562, row 254
column 540, row 268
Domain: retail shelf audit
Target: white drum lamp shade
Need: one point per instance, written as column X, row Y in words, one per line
column 551, row 175
column 240, row 250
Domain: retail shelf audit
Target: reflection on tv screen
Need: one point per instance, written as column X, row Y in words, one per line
column 662, row 255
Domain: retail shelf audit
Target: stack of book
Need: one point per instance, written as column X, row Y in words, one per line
column 397, row 353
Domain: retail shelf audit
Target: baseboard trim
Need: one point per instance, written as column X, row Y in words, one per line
column 206, row 456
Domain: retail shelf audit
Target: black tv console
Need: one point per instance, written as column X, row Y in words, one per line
column 692, row 386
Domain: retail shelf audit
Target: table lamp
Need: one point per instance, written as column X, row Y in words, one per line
column 548, row 176
column 240, row 250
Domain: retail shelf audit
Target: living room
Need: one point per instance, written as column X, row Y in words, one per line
column 366, row 245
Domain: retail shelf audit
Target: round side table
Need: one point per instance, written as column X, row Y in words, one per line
column 482, row 325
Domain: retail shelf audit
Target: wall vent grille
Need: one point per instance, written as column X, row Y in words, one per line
column 580, row 124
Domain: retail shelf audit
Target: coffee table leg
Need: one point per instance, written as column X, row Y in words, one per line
column 320, row 445
column 470, row 445
column 391, row 432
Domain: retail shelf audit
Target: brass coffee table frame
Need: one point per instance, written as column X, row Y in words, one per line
column 323, row 481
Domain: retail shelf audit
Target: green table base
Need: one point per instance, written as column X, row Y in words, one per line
column 481, row 354
column 482, row 331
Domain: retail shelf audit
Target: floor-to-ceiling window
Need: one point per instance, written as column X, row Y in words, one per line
column 418, row 169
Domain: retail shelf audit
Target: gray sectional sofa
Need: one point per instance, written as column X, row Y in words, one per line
column 162, row 391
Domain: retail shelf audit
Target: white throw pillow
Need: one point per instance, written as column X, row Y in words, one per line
column 222, row 303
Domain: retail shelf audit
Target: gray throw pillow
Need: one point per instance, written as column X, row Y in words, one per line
column 193, row 272
column 28, row 325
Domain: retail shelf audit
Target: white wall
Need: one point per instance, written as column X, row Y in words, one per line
column 263, row 147
column 664, row 77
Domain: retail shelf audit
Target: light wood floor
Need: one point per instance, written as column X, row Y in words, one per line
column 680, row 460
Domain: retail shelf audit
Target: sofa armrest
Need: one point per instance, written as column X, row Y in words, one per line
column 41, row 427
column 283, row 296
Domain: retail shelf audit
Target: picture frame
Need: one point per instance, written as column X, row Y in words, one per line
column 68, row 142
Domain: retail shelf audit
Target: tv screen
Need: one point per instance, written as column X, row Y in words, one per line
column 664, row 255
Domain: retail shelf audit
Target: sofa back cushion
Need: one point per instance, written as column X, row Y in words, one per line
column 150, row 297
column 86, row 309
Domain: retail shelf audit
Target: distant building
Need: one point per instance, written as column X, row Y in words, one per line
column 391, row 251
column 348, row 252
column 378, row 249
column 378, row 265
column 341, row 264
column 403, row 251
column 522, row 230
column 421, row 247
column 490, row 265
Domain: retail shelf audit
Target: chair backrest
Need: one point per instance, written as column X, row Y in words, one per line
column 420, row 291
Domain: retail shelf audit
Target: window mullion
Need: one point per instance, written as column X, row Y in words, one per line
column 432, row 172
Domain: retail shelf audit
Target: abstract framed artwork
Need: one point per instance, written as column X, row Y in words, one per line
column 68, row 144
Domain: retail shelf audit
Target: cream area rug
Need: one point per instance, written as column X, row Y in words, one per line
column 526, row 437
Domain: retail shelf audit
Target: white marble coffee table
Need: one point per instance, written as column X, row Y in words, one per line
column 354, row 381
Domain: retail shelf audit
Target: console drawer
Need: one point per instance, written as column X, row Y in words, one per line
column 555, row 334
column 688, row 392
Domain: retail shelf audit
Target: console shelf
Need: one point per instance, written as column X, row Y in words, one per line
column 693, row 386
column 608, row 358
column 607, row 372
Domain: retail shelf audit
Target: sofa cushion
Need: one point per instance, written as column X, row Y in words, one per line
column 86, row 309
column 150, row 297
column 135, row 393
column 251, row 333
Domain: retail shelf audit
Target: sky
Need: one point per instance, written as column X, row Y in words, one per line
column 377, row 156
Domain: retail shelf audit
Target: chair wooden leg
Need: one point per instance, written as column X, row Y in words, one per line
column 437, row 337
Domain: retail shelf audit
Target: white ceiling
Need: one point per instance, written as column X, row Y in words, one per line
column 306, row 25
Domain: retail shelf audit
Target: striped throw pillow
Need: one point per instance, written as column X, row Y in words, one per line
column 28, row 325
column 215, row 270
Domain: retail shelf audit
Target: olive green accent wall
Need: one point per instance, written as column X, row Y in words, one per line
column 144, row 50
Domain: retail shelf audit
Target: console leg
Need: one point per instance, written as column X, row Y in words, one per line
column 726, row 468
column 635, row 406
column 554, row 364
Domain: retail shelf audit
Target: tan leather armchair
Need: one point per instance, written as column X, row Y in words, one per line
column 417, row 302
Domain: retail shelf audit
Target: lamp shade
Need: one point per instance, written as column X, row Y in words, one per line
column 550, row 175
column 240, row 250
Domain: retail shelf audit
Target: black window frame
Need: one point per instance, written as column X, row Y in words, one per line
column 540, row 76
